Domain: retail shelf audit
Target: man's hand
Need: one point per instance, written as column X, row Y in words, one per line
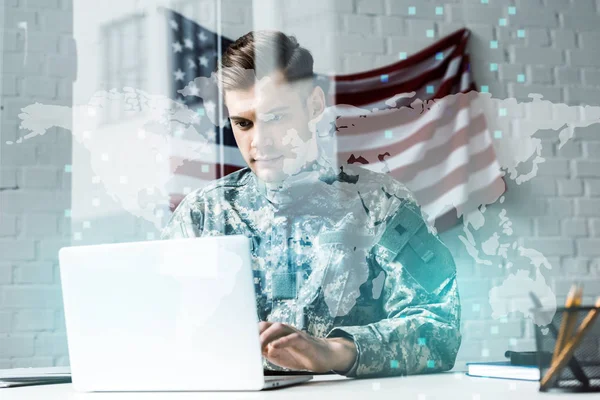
column 288, row 347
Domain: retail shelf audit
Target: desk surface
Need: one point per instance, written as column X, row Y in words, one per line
column 447, row 386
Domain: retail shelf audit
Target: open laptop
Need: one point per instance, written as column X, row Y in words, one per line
column 165, row 315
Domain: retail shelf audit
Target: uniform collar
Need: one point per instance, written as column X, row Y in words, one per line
column 296, row 187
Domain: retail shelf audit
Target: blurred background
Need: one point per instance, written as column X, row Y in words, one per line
column 81, row 164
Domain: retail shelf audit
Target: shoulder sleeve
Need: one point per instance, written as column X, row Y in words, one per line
column 411, row 241
column 187, row 219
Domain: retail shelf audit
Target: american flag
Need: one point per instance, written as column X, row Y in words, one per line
column 418, row 119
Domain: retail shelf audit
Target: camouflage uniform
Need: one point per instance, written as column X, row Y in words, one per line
column 340, row 254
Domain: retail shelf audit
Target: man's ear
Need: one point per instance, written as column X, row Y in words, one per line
column 315, row 104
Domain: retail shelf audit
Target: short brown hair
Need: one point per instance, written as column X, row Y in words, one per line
column 258, row 54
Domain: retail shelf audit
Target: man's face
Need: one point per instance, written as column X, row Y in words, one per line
column 270, row 123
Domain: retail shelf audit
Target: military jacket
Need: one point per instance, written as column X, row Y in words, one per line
column 343, row 253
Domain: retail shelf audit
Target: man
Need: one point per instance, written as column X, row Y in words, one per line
column 349, row 277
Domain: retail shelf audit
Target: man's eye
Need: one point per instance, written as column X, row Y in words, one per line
column 244, row 124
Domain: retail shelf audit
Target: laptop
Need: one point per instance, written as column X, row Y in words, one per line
column 164, row 315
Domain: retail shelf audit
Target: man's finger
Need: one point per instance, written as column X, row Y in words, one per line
column 263, row 325
column 273, row 332
column 287, row 340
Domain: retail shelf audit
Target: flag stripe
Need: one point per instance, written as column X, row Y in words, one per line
column 436, row 119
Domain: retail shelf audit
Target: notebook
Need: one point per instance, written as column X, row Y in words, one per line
column 504, row 370
column 34, row 376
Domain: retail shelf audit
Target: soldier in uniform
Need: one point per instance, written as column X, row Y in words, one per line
column 349, row 275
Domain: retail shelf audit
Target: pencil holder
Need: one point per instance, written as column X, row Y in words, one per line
column 582, row 372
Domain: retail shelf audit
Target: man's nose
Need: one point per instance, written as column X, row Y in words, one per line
column 263, row 137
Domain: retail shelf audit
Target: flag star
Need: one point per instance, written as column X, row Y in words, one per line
column 202, row 37
column 176, row 47
column 188, row 43
column 211, row 135
column 191, row 64
column 179, row 74
column 203, row 61
column 194, row 91
column 209, row 106
column 174, row 24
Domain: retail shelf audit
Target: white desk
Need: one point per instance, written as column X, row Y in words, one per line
column 447, row 386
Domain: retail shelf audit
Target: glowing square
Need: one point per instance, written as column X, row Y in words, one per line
column 384, row 78
column 493, row 67
column 388, row 134
column 494, row 330
column 68, row 213
column 521, row 33
column 179, row 133
column 512, row 10
column 150, row 235
column 484, row 1
column 498, row 134
column 476, row 307
column 412, row 10
column 87, row 134
column 187, row 190
column 485, row 89
column 502, row 22
column 502, row 112
column 422, row 341
column 439, row 56
column 104, row 157
column 485, row 353
column 96, row 202
column 439, row 11
column 430, row 33
column 521, row 78
column 430, row 364
column 96, row 179
column 430, row 89
column 68, row 168
column 141, row 133
column 86, row 224
column 402, row 55
column 200, row 111
column 204, row 168
column 394, row 364
column 493, row 44
column 77, row 235
column 513, row 341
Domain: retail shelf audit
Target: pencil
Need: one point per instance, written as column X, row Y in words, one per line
column 566, row 326
column 572, row 319
column 571, row 345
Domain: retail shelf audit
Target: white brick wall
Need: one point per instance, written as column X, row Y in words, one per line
column 33, row 198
